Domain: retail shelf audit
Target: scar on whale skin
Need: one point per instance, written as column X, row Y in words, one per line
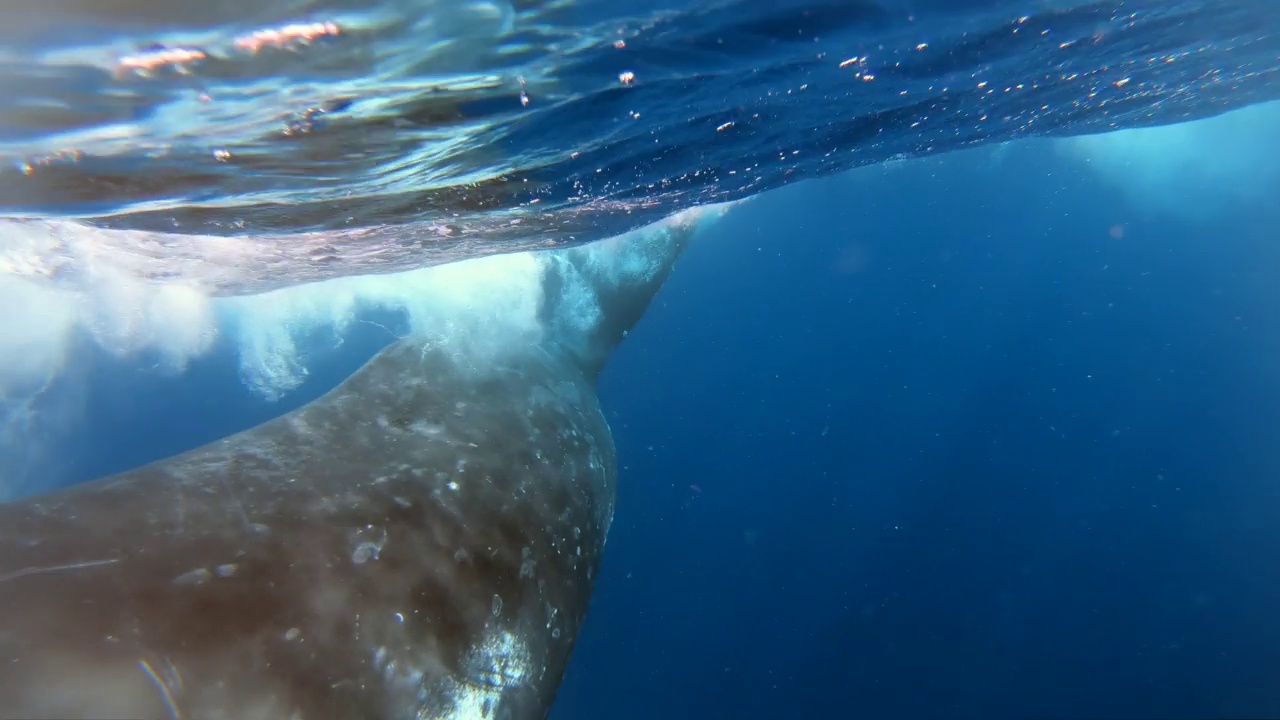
column 24, row 572
column 418, row 542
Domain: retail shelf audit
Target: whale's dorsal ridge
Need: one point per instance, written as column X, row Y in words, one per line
column 594, row 294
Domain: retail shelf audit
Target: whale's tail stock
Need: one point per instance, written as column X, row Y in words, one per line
column 594, row 294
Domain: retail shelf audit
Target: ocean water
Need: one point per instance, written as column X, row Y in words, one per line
column 966, row 407
column 995, row 440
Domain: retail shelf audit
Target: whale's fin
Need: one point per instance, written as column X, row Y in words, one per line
column 593, row 295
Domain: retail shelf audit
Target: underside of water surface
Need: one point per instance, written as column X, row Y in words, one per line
column 244, row 146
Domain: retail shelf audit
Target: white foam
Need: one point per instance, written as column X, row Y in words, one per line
column 47, row 317
column 1192, row 169
column 121, row 314
column 60, row 293
column 35, row 336
column 481, row 306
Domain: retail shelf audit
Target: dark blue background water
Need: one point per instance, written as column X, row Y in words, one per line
column 959, row 451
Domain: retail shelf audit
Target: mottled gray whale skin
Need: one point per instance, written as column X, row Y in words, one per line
column 418, row 543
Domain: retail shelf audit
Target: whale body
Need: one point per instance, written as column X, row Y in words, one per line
column 420, row 542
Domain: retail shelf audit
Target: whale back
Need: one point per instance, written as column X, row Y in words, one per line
column 330, row 563
column 420, row 542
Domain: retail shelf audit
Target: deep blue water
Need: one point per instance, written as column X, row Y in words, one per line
column 972, row 436
column 1004, row 465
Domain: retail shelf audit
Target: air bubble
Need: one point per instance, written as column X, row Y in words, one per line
column 364, row 552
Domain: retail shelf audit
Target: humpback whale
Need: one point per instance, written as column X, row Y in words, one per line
column 420, row 542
